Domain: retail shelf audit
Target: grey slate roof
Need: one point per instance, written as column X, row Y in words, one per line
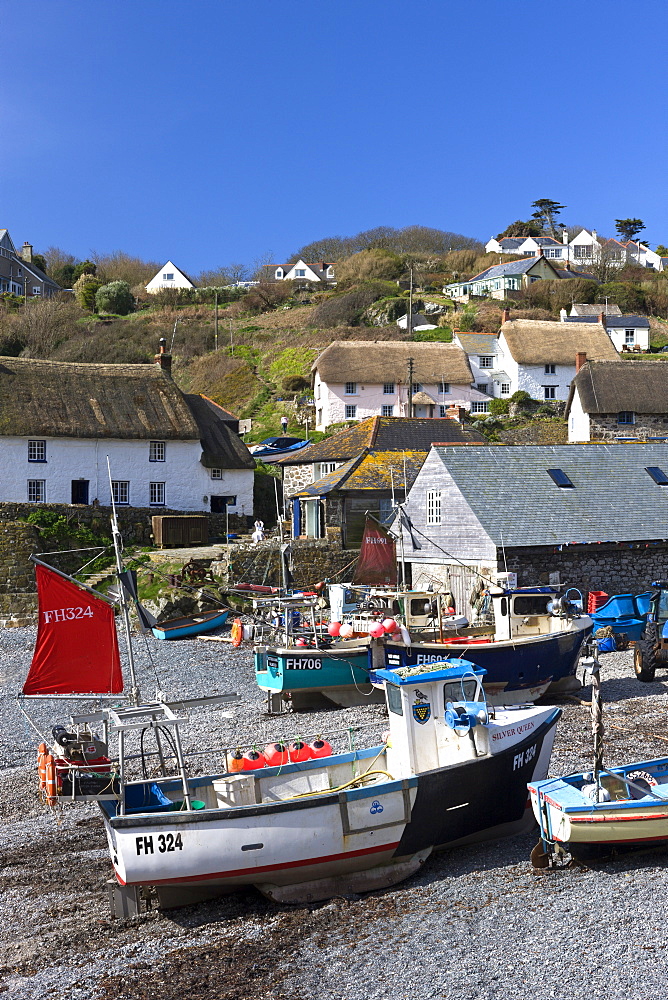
column 517, row 503
column 595, row 309
column 511, row 267
column 612, row 322
column 477, row 343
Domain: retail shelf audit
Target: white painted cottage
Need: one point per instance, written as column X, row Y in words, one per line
column 539, row 356
column 169, row 276
column 356, row 379
column 59, row 422
column 300, row 271
column 618, row 401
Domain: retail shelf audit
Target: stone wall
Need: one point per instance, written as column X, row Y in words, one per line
column 606, row 426
column 296, row 477
column 312, row 560
column 135, row 522
column 616, row 569
column 18, row 601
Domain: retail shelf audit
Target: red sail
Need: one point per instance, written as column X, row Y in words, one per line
column 77, row 649
column 377, row 561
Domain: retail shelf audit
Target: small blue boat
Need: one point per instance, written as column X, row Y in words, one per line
column 179, row 628
column 625, row 613
column 312, row 678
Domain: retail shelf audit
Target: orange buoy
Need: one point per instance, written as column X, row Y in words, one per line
column 235, row 761
column 41, row 766
column 321, row 748
column 253, row 760
column 299, row 751
column 50, row 780
column 237, row 632
column 276, row 754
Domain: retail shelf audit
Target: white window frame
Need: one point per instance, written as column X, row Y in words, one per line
column 629, row 337
column 485, row 360
column 351, row 411
column 120, row 491
column 443, row 388
column 550, row 369
column 549, row 392
column 479, row 406
column 300, row 272
column 350, row 389
column 156, row 451
column 433, row 506
column 387, row 410
column 216, row 473
column 36, row 491
column 388, row 388
column 36, row 451
column 505, row 389
column 324, row 469
column 168, row 277
column 156, row 494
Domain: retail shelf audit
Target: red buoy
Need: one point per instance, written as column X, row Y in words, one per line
column 253, row 760
column 334, row 628
column 390, row 626
column 276, row 754
column 298, row 751
column 321, row 748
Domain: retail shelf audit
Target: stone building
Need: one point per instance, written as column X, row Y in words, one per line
column 618, row 400
column 368, row 467
column 587, row 516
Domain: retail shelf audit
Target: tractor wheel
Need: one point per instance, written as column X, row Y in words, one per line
column 644, row 660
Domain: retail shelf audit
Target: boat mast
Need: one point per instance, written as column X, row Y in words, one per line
column 118, row 548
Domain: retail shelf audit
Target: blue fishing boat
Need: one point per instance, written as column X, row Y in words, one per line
column 534, row 646
column 180, row 628
column 316, row 676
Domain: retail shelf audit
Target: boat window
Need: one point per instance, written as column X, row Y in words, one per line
column 460, row 690
column 394, row 699
column 421, row 607
column 530, row 604
column 504, row 607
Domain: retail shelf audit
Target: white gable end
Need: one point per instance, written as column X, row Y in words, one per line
column 169, row 276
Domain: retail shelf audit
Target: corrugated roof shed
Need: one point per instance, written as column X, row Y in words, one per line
column 611, row 386
column 535, row 342
column 613, row 498
column 376, row 362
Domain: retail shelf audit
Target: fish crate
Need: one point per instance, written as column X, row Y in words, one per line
column 180, row 531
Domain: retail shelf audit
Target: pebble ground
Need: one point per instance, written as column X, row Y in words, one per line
column 475, row 923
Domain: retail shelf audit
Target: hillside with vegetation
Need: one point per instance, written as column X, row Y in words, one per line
column 251, row 348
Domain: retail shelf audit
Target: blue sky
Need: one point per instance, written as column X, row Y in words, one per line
column 213, row 132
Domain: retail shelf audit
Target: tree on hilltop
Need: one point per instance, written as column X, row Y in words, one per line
column 628, row 229
column 546, row 211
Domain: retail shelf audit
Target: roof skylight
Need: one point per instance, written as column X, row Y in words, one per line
column 657, row 474
column 559, row 477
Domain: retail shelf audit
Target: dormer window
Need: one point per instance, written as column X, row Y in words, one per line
column 279, row 272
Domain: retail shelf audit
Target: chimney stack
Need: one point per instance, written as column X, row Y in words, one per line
column 601, row 318
column 26, row 253
column 163, row 359
column 564, row 237
column 456, row 413
column 580, row 360
column 505, row 316
column 539, row 252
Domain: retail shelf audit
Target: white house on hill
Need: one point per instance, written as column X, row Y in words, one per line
column 59, row 422
column 300, row 271
column 169, row 276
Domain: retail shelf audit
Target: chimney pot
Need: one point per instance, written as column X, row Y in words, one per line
column 564, row 237
column 164, row 360
column 580, row 360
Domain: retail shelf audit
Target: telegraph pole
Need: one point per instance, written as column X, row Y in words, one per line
column 410, row 387
column 409, row 318
column 215, row 328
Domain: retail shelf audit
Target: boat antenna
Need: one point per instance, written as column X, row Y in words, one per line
column 118, row 548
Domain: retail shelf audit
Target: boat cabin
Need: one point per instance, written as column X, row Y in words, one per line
column 530, row 611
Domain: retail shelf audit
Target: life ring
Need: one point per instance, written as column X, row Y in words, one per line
column 237, row 632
